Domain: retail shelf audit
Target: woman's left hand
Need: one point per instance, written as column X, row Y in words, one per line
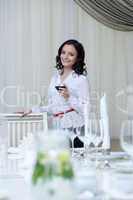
column 64, row 92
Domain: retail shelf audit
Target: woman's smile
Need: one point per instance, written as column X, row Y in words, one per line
column 68, row 56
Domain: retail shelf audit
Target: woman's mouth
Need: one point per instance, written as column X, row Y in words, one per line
column 65, row 61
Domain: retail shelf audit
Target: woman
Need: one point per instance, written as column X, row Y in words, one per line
column 68, row 89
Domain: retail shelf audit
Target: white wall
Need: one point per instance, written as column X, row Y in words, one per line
column 31, row 32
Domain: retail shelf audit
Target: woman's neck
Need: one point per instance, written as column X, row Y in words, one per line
column 67, row 71
column 65, row 74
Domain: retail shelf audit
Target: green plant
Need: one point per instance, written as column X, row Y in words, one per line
column 52, row 165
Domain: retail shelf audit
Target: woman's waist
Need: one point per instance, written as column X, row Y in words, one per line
column 60, row 108
column 59, row 113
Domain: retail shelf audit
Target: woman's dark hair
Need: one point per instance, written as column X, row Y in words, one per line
column 78, row 67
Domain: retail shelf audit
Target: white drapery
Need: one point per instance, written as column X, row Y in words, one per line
column 31, row 32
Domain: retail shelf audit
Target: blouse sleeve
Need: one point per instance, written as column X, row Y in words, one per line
column 40, row 109
column 82, row 94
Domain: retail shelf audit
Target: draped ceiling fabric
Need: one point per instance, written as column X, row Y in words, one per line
column 116, row 14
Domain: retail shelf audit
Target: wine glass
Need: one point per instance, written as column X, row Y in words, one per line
column 73, row 135
column 126, row 137
column 96, row 135
column 78, row 133
column 117, row 183
column 119, row 180
column 43, row 95
column 97, row 132
column 3, row 142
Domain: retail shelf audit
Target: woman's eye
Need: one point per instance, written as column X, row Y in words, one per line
column 65, row 53
column 71, row 54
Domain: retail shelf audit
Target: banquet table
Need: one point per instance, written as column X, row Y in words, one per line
column 13, row 185
column 15, row 177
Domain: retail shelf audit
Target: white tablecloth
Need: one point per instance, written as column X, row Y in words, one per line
column 15, row 180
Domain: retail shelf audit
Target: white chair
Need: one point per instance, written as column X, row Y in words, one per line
column 20, row 127
column 105, row 118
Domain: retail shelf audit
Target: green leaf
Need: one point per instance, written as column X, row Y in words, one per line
column 39, row 171
column 67, row 170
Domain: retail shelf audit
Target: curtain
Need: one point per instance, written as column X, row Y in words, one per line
column 116, row 14
column 30, row 33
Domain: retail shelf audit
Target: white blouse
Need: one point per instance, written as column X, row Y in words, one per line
column 78, row 88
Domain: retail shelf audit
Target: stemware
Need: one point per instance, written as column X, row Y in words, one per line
column 97, row 124
column 118, row 183
column 94, row 133
column 3, row 140
column 97, row 132
column 96, row 137
column 78, row 145
column 80, row 133
column 126, row 137
column 43, row 95
column 73, row 135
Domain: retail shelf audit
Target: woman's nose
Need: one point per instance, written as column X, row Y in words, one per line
column 65, row 56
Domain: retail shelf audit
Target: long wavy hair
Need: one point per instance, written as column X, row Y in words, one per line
column 79, row 66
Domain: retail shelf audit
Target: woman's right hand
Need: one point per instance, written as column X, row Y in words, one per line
column 26, row 113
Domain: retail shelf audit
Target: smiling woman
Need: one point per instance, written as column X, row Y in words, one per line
column 68, row 89
column 73, row 52
column 68, row 56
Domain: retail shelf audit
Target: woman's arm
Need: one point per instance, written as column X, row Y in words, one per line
column 81, row 96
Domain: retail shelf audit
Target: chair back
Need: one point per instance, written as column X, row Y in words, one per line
column 21, row 127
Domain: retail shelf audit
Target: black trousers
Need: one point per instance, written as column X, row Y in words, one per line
column 77, row 143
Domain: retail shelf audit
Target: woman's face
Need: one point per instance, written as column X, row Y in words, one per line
column 68, row 56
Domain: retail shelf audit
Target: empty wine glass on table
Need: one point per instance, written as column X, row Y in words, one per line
column 73, row 135
column 78, row 141
column 126, row 137
column 96, row 136
column 96, row 132
column 119, row 180
column 94, row 129
column 80, row 133
column 3, row 142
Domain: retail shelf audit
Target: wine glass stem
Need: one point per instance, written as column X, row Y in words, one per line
column 96, row 159
column 72, row 147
